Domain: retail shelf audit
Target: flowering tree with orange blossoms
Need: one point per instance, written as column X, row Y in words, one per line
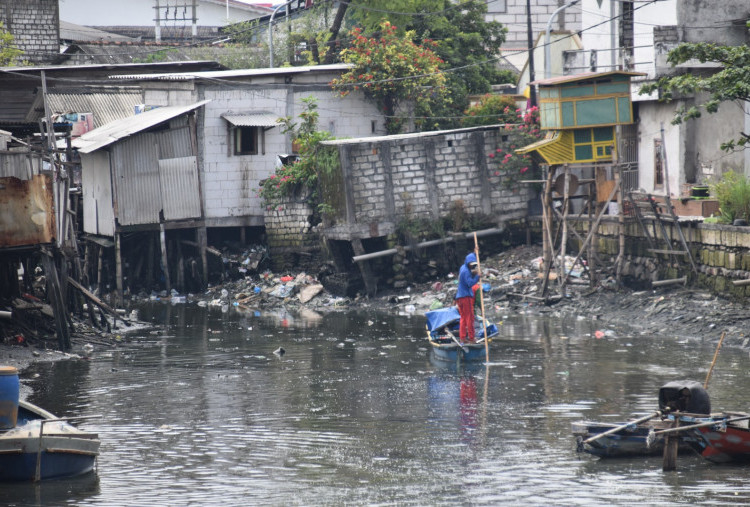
column 391, row 70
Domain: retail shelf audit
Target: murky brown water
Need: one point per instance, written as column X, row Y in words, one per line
column 356, row 413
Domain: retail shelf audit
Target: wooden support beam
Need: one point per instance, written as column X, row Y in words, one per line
column 661, row 283
column 118, row 267
column 55, row 294
column 98, row 302
column 740, row 283
column 164, row 258
column 667, row 252
column 425, row 244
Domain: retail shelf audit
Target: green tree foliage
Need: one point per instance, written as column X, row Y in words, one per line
column 491, row 110
column 9, row 53
column 393, row 71
column 467, row 44
column 731, row 83
column 303, row 173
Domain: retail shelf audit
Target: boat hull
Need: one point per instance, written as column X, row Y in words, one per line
column 452, row 352
column 442, row 333
column 21, row 467
column 61, row 450
column 726, row 443
column 632, row 441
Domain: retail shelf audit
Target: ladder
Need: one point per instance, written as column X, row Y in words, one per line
column 647, row 212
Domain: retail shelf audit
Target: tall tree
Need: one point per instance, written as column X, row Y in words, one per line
column 393, row 71
column 467, row 44
column 729, row 84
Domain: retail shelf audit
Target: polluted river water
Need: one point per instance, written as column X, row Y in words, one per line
column 208, row 411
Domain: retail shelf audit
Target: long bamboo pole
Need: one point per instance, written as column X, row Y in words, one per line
column 716, row 354
column 481, row 300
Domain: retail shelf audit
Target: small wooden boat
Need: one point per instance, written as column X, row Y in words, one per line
column 632, row 440
column 442, row 333
column 725, row 438
column 643, row 437
column 42, row 446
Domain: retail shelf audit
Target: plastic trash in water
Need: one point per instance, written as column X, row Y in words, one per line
column 224, row 293
column 410, row 308
column 256, row 289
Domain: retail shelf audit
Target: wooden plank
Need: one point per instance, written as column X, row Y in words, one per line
column 668, row 252
column 98, row 302
column 660, row 283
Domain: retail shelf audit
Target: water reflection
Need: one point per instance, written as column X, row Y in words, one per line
column 358, row 412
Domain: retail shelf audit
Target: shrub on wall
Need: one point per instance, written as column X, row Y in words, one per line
column 300, row 175
column 733, row 193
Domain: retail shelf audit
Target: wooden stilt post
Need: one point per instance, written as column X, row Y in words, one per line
column 55, row 295
column 201, row 237
column 85, row 272
column 99, row 267
column 547, row 250
column 671, row 444
column 371, row 285
column 591, row 248
column 150, row 260
column 563, row 243
column 180, row 265
column 118, row 268
column 164, row 259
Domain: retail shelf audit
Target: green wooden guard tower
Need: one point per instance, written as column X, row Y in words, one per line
column 580, row 113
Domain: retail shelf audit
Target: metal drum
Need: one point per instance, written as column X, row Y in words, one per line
column 9, row 388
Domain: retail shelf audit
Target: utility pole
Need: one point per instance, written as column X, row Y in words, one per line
column 530, row 34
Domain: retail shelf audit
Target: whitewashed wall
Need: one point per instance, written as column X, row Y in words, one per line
column 231, row 182
column 141, row 13
column 603, row 35
column 96, row 184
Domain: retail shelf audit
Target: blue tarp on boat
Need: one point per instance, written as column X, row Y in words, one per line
column 437, row 319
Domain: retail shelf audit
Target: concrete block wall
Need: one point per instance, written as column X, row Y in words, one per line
column 35, row 28
column 721, row 254
column 289, row 231
column 514, row 18
column 421, row 176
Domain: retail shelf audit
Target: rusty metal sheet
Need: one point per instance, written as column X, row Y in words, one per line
column 27, row 211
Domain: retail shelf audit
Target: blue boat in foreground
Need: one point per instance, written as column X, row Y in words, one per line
column 442, row 333
column 41, row 446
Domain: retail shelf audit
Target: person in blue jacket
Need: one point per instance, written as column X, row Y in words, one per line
column 468, row 276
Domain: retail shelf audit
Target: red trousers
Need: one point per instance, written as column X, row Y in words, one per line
column 466, row 324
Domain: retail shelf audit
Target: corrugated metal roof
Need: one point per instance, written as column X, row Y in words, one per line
column 108, row 103
column 582, row 77
column 120, row 129
column 252, row 119
column 225, row 74
column 73, row 32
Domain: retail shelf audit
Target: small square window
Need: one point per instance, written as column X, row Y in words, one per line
column 246, row 140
